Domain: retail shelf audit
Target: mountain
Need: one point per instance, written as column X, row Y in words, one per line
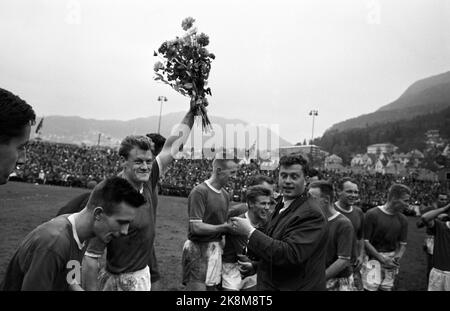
column 423, row 106
column 77, row 130
column 425, row 96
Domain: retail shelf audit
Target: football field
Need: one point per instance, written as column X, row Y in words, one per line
column 25, row 206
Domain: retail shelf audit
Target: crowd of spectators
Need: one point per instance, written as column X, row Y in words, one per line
column 81, row 166
column 373, row 188
column 66, row 164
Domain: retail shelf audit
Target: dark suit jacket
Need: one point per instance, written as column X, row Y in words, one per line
column 292, row 253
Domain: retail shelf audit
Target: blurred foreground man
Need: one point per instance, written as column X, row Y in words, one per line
column 428, row 246
column 49, row 258
column 292, row 252
column 385, row 238
column 16, row 119
column 439, row 279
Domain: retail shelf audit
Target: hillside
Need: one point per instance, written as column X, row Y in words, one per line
column 425, row 96
column 406, row 134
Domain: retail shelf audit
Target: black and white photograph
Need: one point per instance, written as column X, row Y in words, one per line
column 225, row 146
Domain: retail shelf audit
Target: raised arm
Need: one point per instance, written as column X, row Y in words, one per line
column 428, row 217
column 178, row 137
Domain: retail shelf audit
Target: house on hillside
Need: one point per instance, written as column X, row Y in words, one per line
column 396, row 166
column 434, row 139
column 333, row 159
column 363, row 160
column 380, row 165
column 381, row 148
column 415, row 158
column 402, row 158
column 333, row 162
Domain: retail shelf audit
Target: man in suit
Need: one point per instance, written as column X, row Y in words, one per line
column 292, row 251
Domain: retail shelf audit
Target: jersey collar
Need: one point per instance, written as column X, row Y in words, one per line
column 211, row 187
column 343, row 210
column 74, row 231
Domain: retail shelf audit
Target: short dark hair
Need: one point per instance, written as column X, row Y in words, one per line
column 326, row 188
column 15, row 115
column 396, row 191
column 342, row 181
column 223, row 163
column 256, row 191
column 159, row 142
column 132, row 141
column 295, row 158
column 113, row 191
column 312, row 172
column 259, row 180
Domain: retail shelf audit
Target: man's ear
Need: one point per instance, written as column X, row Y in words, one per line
column 307, row 179
column 123, row 161
column 249, row 205
column 98, row 212
column 218, row 170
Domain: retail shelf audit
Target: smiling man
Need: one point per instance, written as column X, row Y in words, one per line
column 131, row 260
column 257, row 212
column 49, row 258
column 16, row 119
column 292, row 250
column 348, row 193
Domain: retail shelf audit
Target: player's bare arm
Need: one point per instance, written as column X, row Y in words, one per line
column 89, row 273
column 177, row 138
column 336, row 267
column 428, row 217
column 201, row 228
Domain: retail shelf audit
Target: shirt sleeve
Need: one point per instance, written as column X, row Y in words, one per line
column 96, row 248
column 345, row 240
column 369, row 222
column 404, row 232
column 155, row 172
column 43, row 271
column 360, row 233
column 153, row 265
column 431, row 227
column 196, row 204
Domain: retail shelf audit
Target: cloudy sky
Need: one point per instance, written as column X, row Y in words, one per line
column 275, row 59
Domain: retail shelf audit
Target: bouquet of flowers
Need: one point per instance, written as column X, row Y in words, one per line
column 185, row 64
